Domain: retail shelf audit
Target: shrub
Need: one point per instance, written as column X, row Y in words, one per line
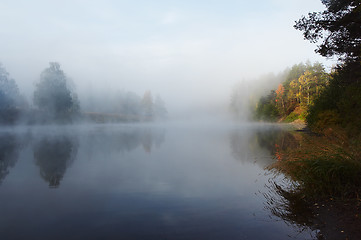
column 338, row 104
column 292, row 117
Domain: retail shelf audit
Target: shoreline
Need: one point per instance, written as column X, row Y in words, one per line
column 317, row 163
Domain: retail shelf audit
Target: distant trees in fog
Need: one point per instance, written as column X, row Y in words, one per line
column 160, row 110
column 55, row 100
column 53, row 96
column 147, row 105
column 127, row 106
column 245, row 94
column 153, row 108
column 285, row 96
column 10, row 99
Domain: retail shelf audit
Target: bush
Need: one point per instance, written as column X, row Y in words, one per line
column 292, row 117
column 267, row 112
column 349, row 108
column 326, row 166
column 338, row 104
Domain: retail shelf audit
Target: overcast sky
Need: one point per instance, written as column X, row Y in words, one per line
column 191, row 52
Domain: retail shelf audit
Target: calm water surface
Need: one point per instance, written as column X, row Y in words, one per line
column 204, row 181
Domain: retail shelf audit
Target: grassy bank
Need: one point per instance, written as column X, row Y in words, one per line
column 325, row 188
column 324, row 166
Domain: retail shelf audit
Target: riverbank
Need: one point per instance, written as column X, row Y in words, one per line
column 298, row 125
column 325, row 171
column 329, row 164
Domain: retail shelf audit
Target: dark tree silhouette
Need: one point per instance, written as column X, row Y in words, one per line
column 338, row 27
column 9, row 152
column 9, row 97
column 53, row 95
column 53, row 156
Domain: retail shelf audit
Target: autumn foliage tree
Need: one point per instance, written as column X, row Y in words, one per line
column 280, row 102
column 295, row 95
column 337, row 32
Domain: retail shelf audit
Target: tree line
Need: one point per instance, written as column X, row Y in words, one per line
column 337, row 32
column 306, row 91
column 302, row 85
column 326, row 167
column 55, row 100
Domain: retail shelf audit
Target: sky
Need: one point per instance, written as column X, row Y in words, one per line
column 189, row 52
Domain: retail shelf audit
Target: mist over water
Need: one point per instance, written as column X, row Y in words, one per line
column 124, row 120
column 191, row 54
column 136, row 181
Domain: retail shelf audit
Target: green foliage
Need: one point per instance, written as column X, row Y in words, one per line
column 302, row 85
column 295, row 72
column 324, row 177
column 266, row 109
column 337, row 28
column 334, row 176
column 338, row 104
column 350, row 108
column 292, row 117
column 323, row 166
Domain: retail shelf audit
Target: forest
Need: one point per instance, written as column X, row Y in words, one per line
column 306, row 91
column 303, row 85
column 55, row 101
column 324, row 161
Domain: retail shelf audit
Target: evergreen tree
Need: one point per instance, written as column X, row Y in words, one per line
column 53, row 95
column 147, row 105
column 337, row 28
column 9, row 97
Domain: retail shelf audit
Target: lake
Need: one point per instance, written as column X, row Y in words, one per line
column 140, row 181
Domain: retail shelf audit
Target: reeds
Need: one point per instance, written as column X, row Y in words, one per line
column 323, row 166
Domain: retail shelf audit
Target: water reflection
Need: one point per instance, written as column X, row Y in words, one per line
column 281, row 199
column 9, row 153
column 127, row 182
column 123, row 140
column 327, row 219
column 257, row 144
column 286, row 199
column 53, row 155
column 276, row 139
column 291, row 207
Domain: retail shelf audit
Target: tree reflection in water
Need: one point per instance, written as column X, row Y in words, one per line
column 323, row 218
column 290, row 206
column 123, row 140
column 53, row 155
column 256, row 146
column 9, row 153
